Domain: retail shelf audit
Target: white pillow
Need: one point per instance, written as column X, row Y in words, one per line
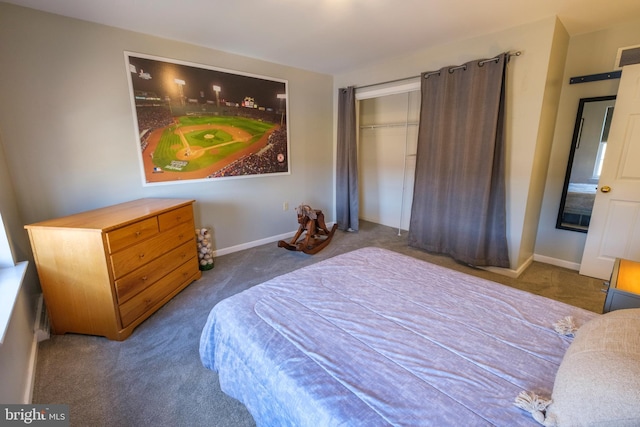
column 598, row 381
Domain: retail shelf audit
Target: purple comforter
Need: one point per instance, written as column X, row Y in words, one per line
column 376, row 338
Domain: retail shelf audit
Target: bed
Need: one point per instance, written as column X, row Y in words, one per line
column 376, row 338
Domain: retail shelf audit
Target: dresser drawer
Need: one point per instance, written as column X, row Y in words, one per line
column 177, row 216
column 136, row 256
column 132, row 234
column 145, row 276
column 154, row 294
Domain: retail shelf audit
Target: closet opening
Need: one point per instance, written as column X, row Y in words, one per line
column 387, row 141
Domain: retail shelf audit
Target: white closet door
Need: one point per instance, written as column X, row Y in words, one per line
column 410, row 167
column 387, row 144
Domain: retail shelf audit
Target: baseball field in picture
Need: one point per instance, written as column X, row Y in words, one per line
column 196, row 123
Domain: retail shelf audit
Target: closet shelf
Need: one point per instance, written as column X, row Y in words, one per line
column 388, row 125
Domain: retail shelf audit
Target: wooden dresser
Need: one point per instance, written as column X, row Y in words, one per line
column 105, row 271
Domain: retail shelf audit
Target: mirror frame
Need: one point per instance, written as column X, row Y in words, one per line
column 577, row 129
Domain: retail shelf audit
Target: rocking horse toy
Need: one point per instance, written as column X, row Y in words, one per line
column 318, row 235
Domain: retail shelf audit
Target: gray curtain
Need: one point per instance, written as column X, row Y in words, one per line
column 459, row 195
column 347, row 162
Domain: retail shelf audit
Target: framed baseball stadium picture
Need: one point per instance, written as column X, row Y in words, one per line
column 196, row 122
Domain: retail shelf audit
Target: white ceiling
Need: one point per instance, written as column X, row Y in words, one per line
column 333, row 36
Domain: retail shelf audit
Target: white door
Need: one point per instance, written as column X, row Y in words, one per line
column 614, row 231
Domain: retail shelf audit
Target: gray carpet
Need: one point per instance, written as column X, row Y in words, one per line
column 155, row 378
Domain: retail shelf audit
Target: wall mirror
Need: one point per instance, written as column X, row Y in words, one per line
column 588, row 149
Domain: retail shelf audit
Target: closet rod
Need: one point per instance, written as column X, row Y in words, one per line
column 516, row 53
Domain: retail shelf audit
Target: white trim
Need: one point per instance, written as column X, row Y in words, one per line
column 538, row 258
column 248, row 245
column 616, row 65
column 557, row 262
column 384, row 90
column 260, row 242
column 509, row 272
column 31, row 372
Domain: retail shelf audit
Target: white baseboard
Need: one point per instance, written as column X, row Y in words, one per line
column 31, row 373
column 539, row 258
column 253, row 244
column 557, row 262
column 248, row 245
column 509, row 272
column 41, row 322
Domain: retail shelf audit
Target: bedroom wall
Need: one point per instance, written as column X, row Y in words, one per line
column 68, row 144
column 528, row 93
column 590, row 53
column 69, row 132
column 544, row 138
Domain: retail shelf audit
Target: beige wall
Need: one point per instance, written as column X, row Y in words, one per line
column 549, row 109
column 591, row 53
column 528, row 78
column 70, row 141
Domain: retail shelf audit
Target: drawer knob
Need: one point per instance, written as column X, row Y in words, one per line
column 144, row 278
column 137, row 233
column 141, row 255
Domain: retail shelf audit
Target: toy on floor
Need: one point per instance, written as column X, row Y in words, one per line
column 317, row 234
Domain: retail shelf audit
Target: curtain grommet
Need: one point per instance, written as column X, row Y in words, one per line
column 459, row 67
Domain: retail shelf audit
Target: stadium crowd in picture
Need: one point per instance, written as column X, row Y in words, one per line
column 199, row 123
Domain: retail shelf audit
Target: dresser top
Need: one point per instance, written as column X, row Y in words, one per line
column 110, row 217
